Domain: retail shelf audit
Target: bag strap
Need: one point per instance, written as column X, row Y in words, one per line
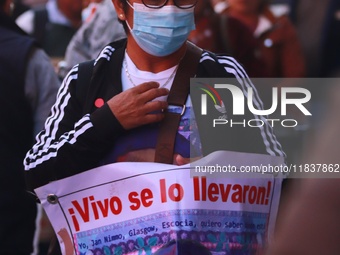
column 39, row 24
column 177, row 97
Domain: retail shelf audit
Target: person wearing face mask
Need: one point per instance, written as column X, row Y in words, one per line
column 118, row 118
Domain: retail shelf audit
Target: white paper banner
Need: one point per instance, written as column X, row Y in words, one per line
column 136, row 208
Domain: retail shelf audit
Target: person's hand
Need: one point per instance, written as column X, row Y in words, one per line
column 180, row 160
column 134, row 107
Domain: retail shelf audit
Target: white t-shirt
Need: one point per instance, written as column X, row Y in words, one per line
column 164, row 78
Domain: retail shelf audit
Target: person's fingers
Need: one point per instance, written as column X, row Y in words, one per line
column 137, row 106
column 179, row 160
column 154, row 93
column 154, row 107
column 145, row 87
column 150, row 118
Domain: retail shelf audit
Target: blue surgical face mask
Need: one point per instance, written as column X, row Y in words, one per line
column 161, row 32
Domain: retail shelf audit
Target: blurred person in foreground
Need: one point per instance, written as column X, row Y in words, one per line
column 318, row 25
column 28, row 87
column 119, row 118
column 310, row 221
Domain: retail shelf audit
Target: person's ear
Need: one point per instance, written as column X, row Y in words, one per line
column 119, row 7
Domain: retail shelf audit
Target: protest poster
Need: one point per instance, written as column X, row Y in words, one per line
column 136, row 208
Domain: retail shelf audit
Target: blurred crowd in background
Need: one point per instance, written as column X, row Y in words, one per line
column 271, row 39
column 279, row 38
